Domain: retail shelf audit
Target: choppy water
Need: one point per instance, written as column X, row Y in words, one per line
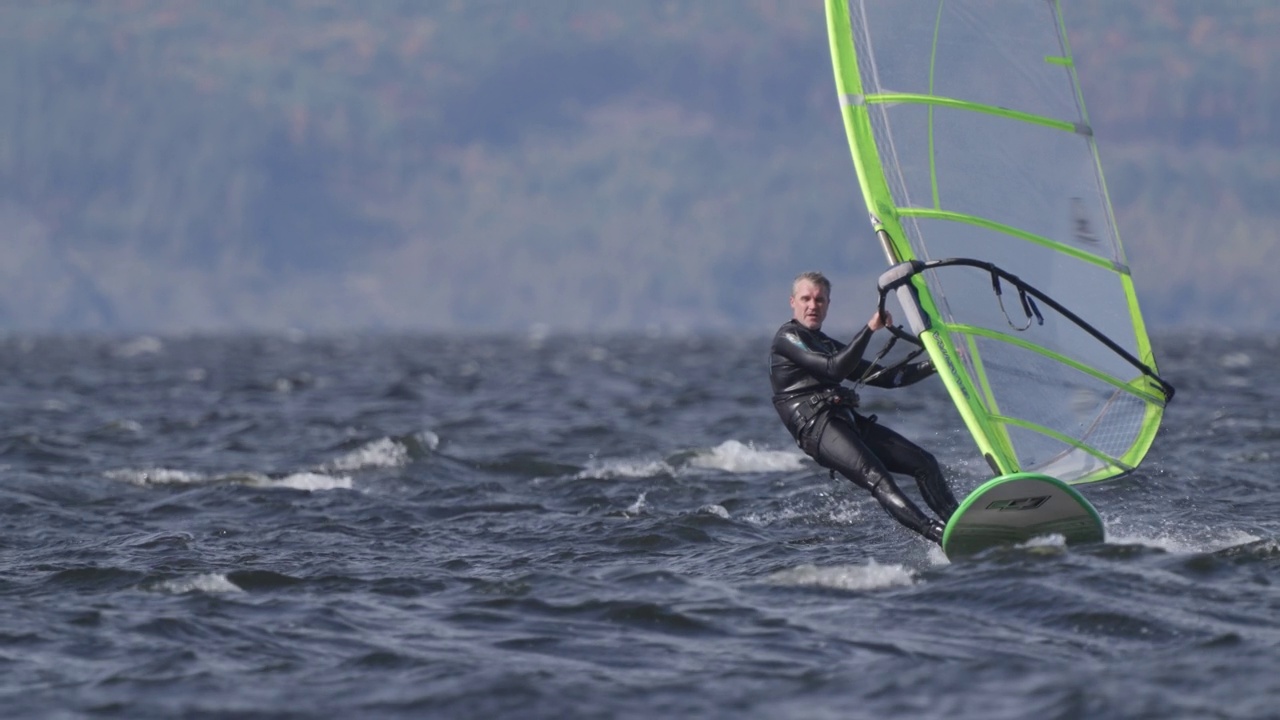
column 589, row 528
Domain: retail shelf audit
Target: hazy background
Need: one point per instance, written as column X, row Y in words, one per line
column 209, row 165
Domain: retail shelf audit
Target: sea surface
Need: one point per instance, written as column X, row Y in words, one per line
column 590, row 527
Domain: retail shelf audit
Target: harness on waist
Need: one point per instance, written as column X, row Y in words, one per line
column 837, row 395
column 812, row 408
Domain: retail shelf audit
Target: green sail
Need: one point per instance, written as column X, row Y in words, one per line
column 970, row 139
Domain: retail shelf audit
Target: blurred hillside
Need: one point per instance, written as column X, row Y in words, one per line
column 171, row 165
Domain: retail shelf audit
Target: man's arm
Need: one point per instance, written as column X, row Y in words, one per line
column 908, row 374
column 829, row 368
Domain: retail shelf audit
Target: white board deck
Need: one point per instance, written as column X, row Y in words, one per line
column 1012, row 509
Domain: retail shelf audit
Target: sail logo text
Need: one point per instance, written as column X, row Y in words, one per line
column 1026, row 503
column 951, row 366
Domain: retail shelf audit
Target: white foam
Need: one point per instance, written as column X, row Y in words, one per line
column 736, row 457
column 1053, row 540
column 382, row 453
column 729, row 456
column 936, row 556
column 309, row 481
column 610, row 469
column 157, row 476
column 133, row 427
column 1184, row 542
column 207, row 583
column 872, row 576
column 837, row 511
column 638, row 506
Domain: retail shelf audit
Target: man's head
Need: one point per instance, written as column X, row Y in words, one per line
column 810, row 297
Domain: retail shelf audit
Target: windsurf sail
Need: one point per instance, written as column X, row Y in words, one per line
column 978, row 167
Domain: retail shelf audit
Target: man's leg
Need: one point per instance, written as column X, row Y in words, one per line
column 841, row 449
column 900, row 455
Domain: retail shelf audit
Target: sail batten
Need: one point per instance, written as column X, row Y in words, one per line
column 938, row 101
column 979, row 169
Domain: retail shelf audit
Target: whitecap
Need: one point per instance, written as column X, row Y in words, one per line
column 1184, row 542
column 428, row 439
column 936, row 556
column 609, row 469
column 308, row 481
column 872, row 576
column 1053, row 540
column 737, row 457
column 638, row 506
column 382, row 453
column 206, row 583
column 843, row 511
column 157, row 476
column 729, row 456
column 131, row 427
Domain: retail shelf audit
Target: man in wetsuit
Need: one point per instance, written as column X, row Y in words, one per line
column 806, row 368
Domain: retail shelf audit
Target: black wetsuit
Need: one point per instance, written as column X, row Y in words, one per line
column 806, row 368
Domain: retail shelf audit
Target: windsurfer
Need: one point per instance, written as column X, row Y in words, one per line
column 806, row 369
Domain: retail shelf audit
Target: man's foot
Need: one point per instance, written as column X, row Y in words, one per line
column 935, row 530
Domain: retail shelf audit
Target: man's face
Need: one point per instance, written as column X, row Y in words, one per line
column 809, row 304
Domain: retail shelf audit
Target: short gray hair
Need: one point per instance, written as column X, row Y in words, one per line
column 814, row 277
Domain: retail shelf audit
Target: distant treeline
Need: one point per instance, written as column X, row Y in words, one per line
column 183, row 164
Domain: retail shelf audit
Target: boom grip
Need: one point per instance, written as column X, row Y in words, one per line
column 898, row 278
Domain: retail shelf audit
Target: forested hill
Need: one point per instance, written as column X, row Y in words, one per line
column 171, row 165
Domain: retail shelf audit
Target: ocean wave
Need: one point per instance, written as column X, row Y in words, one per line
column 204, row 583
column 737, row 457
column 308, row 481
column 1183, row 541
column 381, row 453
column 872, row 576
column 730, row 456
column 386, row 452
column 611, row 469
